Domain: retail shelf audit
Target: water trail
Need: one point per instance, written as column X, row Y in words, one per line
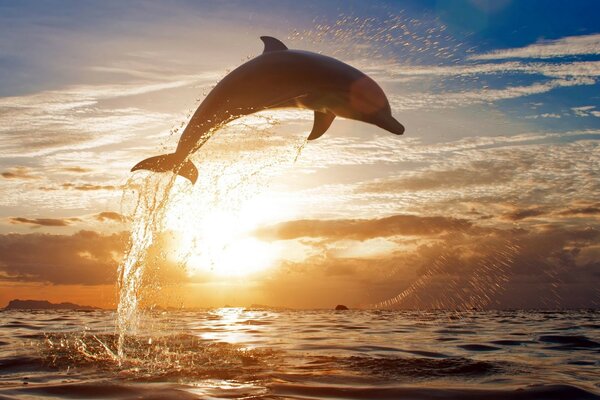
column 151, row 198
column 474, row 288
column 147, row 221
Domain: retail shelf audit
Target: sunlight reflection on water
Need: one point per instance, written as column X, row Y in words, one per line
column 234, row 352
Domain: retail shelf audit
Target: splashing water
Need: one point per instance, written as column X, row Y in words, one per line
column 474, row 290
column 160, row 202
column 148, row 217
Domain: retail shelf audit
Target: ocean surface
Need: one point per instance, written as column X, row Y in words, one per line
column 267, row 354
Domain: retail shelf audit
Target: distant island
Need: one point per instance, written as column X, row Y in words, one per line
column 44, row 305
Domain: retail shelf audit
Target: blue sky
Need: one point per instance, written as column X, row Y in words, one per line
column 500, row 100
column 41, row 50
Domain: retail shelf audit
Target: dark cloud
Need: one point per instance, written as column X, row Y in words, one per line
column 84, row 258
column 583, row 210
column 37, row 222
column 18, row 173
column 545, row 267
column 478, row 173
column 518, row 215
column 363, row 229
column 110, row 216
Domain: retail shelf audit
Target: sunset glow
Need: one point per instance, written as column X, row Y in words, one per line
column 220, row 240
column 279, row 199
column 489, row 198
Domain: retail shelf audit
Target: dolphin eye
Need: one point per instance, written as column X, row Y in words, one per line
column 366, row 96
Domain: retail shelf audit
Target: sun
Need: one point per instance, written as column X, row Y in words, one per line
column 219, row 240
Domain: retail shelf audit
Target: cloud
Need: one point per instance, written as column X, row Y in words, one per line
column 550, row 115
column 582, row 210
column 546, row 267
column 88, row 186
column 77, row 170
column 110, row 216
column 82, row 116
column 518, row 215
column 564, row 47
column 53, row 222
column 363, row 229
column 104, row 216
column 537, row 169
column 84, row 187
column 83, row 258
column 475, row 174
column 548, row 76
column 18, row 173
column 586, row 111
column 415, row 101
column 549, row 69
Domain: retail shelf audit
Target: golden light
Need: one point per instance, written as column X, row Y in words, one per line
column 219, row 239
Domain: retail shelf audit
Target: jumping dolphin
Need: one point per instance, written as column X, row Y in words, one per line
column 280, row 78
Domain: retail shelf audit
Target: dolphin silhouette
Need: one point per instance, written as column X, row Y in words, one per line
column 280, row 78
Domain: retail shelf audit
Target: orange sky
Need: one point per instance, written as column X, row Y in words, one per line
column 482, row 203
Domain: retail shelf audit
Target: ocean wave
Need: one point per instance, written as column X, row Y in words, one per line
column 547, row 392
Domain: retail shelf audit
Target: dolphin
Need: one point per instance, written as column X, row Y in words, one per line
column 280, row 78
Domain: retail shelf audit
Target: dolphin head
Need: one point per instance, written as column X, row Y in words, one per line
column 369, row 103
column 389, row 123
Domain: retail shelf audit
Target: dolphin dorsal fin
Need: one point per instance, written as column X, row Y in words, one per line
column 322, row 122
column 272, row 44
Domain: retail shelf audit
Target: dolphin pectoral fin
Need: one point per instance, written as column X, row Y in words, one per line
column 322, row 122
column 169, row 162
column 272, row 44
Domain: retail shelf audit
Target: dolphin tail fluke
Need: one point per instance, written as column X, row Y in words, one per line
column 169, row 162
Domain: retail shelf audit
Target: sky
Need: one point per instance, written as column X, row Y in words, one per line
column 489, row 199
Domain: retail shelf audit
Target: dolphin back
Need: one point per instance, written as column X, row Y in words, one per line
column 169, row 162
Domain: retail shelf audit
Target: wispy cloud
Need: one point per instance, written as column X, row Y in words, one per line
column 76, row 170
column 49, row 222
column 549, row 69
column 87, row 186
column 416, row 101
column 477, row 173
column 357, row 229
column 19, row 173
column 80, row 117
column 567, row 46
column 586, row 111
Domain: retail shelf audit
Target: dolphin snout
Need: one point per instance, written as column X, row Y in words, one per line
column 390, row 124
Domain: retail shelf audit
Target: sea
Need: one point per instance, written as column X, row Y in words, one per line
column 256, row 353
